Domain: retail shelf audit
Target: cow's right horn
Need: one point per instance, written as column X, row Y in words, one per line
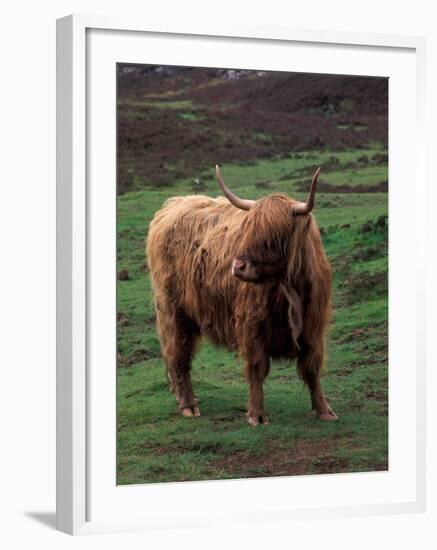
column 244, row 204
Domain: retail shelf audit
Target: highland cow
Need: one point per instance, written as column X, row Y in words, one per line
column 249, row 275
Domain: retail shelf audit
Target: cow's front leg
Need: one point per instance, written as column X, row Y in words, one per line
column 256, row 372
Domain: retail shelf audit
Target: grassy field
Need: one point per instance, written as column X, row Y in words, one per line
column 156, row 444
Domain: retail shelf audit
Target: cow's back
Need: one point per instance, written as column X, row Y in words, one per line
column 180, row 227
column 189, row 252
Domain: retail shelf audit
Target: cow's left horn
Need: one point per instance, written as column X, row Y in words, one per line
column 244, row 204
column 301, row 208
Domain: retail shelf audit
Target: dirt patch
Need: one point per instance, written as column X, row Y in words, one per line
column 264, row 185
column 354, row 335
column 123, row 275
column 159, row 450
column 333, row 164
column 228, row 418
column 374, row 225
column 138, row 356
column 362, row 286
column 366, row 253
column 122, row 319
column 380, row 158
column 301, row 457
column 347, row 371
column 377, row 395
column 150, row 321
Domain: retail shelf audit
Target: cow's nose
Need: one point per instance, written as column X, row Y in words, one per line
column 239, row 264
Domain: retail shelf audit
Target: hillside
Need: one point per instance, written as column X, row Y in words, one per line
column 177, row 122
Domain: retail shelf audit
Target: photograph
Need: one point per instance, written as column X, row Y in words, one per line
column 252, row 273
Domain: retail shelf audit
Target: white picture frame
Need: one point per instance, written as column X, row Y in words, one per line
column 74, row 340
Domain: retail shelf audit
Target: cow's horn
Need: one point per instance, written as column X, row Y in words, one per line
column 301, row 208
column 244, row 204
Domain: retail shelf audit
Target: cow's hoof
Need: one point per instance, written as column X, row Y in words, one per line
column 191, row 411
column 258, row 419
column 327, row 415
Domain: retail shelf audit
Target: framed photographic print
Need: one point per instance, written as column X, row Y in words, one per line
column 240, row 331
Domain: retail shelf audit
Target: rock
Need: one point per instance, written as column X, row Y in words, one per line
column 123, row 275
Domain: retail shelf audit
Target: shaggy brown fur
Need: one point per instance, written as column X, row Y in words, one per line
column 283, row 314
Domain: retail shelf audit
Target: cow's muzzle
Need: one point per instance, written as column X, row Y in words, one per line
column 244, row 270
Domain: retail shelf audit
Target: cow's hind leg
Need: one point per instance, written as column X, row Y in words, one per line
column 310, row 362
column 179, row 336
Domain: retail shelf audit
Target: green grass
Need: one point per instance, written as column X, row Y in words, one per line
column 156, row 444
column 191, row 117
column 157, row 104
column 356, row 127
